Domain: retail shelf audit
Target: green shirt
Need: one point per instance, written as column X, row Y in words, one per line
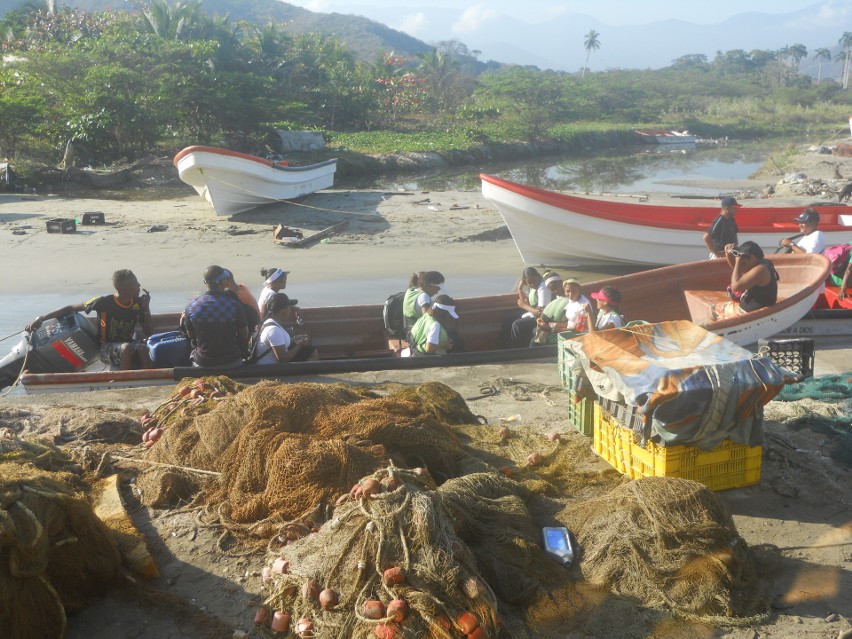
column 409, row 303
column 555, row 311
column 420, row 331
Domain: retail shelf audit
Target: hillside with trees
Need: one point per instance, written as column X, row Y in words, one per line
column 122, row 85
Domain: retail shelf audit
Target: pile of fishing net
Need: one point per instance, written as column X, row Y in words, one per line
column 54, row 551
column 403, row 557
column 669, row 543
column 823, row 405
column 285, row 449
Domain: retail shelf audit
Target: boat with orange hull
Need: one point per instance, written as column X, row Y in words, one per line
column 353, row 338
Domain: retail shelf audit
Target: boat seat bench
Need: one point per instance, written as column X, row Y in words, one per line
column 700, row 303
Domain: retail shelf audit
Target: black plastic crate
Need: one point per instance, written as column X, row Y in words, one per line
column 61, row 225
column 796, row 355
column 93, row 217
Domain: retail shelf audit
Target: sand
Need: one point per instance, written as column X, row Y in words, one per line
column 801, row 506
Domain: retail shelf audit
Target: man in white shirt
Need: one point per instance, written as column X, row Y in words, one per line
column 812, row 240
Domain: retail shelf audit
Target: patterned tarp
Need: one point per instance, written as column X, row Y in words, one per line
column 691, row 386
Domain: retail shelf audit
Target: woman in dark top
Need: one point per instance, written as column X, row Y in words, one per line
column 754, row 281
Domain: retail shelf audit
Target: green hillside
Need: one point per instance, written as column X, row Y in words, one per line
column 363, row 37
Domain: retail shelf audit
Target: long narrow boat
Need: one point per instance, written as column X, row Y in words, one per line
column 352, row 338
column 556, row 229
column 234, row 182
column 666, row 136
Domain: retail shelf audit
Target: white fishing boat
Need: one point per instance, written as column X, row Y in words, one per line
column 557, row 229
column 234, row 182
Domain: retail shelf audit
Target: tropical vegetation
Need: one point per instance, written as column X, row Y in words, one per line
column 121, row 85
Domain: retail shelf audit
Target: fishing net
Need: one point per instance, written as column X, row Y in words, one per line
column 669, row 543
column 452, row 554
column 285, row 449
column 54, row 551
column 818, row 405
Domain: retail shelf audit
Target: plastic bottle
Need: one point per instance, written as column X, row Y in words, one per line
column 580, row 323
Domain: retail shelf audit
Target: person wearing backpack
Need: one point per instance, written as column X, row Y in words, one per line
column 273, row 344
column 422, row 287
column 429, row 335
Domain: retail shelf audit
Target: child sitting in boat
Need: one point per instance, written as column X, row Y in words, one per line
column 608, row 299
column 568, row 312
column 754, row 281
column 275, row 345
column 429, row 335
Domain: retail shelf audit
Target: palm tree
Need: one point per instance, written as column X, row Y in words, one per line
column 591, row 43
column 822, row 55
column 846, row 42
column 797, row 52
column 170, row 22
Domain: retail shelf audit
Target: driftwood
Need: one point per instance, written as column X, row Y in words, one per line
column 107, row 179
column 315, row 237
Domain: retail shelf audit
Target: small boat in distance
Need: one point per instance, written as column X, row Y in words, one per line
column 556, row 229
column 666, row 136
column 234, row 182
column 353, row 338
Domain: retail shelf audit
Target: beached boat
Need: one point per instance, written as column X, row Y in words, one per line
column 557, row 229
column 235, row 182
column 353, row 338
column 666, row 136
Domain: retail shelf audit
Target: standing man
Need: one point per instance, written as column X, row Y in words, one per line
column 724, row 229
column 812, row 240
column 216, row 323
column 118, row 315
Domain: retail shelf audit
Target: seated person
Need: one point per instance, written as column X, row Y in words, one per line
column 244, row 295
column 812, row 240
column 608, row 299
column 568, row 312
column 216, row 323
column 119, row 314
column 275, row 345
column 754, row 281
column 533, row 295
column 429, row 334
column 841, row 295
column 422, row 287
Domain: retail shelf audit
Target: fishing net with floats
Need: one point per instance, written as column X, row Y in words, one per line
column 54, row 551
column 668, row 543
column 452, row 555
column 283, row 449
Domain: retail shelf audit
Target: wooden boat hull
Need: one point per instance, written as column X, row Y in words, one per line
column 352, row 338
column 234, row 182
column 556, row 229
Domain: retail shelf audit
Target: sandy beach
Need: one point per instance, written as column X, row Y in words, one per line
column 800, row 512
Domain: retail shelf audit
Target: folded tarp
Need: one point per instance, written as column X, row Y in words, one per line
column 690, row 386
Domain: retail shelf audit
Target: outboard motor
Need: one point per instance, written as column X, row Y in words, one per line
column 62, row 345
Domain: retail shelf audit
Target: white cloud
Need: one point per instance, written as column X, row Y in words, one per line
column 554, row 11
column 317, row 6
column 828, row 15
column 412, row 24
column 473, row 18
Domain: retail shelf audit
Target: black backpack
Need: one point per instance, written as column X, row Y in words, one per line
column 392, row 315
column 254, row 344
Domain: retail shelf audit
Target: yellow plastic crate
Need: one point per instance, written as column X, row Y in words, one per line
column 729, row 465
column 580, row 413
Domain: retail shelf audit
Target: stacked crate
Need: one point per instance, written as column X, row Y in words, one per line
column 613, row 425
column 580, row 411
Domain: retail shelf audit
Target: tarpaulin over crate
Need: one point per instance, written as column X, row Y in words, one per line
column 690, row 386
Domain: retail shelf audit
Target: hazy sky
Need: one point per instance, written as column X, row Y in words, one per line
column 612, row 12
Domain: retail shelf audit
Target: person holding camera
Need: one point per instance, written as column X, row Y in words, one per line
column 754, row 281
column 275, row 345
